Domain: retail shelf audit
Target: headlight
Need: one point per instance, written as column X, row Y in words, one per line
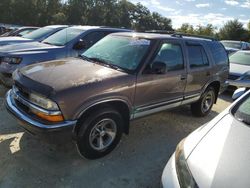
column 184, row 175
column 12, row 60
column 43, row 102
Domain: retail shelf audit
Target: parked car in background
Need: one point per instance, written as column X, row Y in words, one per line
column 216, row 154
column 124, row 76
column 19, row 31
column 2, row 30
column 69, row 42
column 37, row 35
column 231, row 51
column 239, row 75
column 234, row 46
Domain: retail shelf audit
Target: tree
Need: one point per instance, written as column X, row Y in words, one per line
column 186, row 28
column 208, row 30
column 233, row 30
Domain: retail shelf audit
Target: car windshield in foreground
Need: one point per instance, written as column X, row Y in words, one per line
column 236, row 45
column 119, row 51
column 38, row 33
column 242, row 112
column 62, row 37
column 240, row 57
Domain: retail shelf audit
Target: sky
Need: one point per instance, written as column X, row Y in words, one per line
column 200, row 12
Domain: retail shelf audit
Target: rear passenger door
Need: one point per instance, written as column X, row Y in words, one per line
column 199, row 69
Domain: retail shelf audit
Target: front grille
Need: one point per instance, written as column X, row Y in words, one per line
column 233, row 77
column 24, row 93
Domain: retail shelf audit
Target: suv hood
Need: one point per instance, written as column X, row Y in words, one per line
column 12, row 40
column 26, row 47
column 67, row 73
column 221, row 159
column 238, row 69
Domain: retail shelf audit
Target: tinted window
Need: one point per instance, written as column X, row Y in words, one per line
column 92, row 38
column 218, row 52
column 171, row 55
column 197, row 56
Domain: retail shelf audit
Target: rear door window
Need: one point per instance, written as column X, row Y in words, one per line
column 197, row 56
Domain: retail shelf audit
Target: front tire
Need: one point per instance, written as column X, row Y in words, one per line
column 203, row 107
column 99, row 133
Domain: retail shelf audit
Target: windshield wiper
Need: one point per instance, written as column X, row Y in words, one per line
column 47, row 43
column 85, row 58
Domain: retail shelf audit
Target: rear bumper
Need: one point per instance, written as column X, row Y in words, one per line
column 239, row 83
column 61, row 131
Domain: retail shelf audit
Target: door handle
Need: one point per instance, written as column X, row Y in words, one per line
column 208, row 73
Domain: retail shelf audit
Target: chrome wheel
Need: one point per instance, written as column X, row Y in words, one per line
column 103, row 134
column 207, row 101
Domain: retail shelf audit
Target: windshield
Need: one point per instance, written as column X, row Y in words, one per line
column 241, row 57
column 242, row 113
column 236, row 45
column 63, row 37
column 123, row 52
column 38, row 33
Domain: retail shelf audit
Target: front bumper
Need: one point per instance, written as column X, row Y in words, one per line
column 169, row 177
column 58, row 131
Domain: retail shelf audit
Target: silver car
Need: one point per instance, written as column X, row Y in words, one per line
column 216, row 154
column 239, row 74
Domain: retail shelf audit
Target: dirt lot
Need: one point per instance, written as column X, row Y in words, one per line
column 137, row 162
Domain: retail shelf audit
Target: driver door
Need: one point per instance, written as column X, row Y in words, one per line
column 156, row 92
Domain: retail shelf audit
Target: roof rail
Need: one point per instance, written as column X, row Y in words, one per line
column 160, row 31
column 181, row 35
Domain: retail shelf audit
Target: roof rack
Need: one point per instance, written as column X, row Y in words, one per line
column 181, row 35
column 160, row 31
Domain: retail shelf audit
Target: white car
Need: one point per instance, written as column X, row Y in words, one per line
column 216, row 154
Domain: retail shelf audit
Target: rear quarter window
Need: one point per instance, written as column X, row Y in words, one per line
column 219, row 53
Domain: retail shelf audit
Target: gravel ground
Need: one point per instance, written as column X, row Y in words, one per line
column 138, row 161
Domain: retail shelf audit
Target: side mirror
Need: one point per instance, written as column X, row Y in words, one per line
column 158, row 68
column 238, row 93
column 80, row 45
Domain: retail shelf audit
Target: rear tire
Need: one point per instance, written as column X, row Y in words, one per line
column 99, row 133
column 203, row 107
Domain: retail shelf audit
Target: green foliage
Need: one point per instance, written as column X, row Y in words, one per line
column 116, row 13
column 208, row 30
column 233, row 30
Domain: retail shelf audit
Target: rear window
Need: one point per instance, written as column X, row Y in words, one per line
column 240, row 57
column 218, row 52
column 233, row 44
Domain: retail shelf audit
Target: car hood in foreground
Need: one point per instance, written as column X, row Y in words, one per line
column 221, row 159
column 67, row 73
column 25, row 47
column 238, row 69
